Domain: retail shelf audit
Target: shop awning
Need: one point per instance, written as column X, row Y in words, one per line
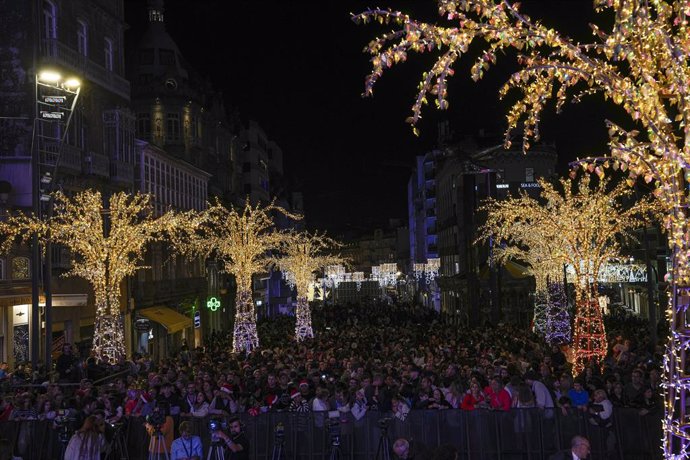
column 167, row 317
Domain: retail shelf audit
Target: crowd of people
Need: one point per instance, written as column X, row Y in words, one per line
column 381, row 358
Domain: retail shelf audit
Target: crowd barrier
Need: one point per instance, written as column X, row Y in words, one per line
column 521, row 434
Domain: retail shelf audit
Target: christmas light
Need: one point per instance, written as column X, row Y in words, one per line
column 105, row 251
column 557, row 328
column 302, row 255
column 241, row 238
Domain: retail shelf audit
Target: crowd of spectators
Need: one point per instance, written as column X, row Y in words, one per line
column 378, row 358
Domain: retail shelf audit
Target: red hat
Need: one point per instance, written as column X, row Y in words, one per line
column 226, row 388
column 146, row 397
column 303, row 382
column 271, row 399
column 294, row 393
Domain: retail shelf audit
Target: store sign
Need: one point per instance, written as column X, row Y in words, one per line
column 52, row 115
column 142, row 325
column 197, row 319
column 213, row 304
column 54, row 99
column 530, row 185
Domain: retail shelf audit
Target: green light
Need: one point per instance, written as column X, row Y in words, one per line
column 213, row 304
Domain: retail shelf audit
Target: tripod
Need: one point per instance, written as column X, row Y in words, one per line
column 216, row 451
column 383, row 452
column 335, row 448
column 117, row 450
column 278, row 450
column 157, row 449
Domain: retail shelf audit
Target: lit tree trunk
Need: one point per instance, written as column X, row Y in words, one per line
column 245, row 337
column 589, row 340
column 303, row 329
column 557, row 318
column 108, row 336
column 540, row 309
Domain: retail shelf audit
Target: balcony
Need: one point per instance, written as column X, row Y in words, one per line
column 70, row 159
column 121, row 172
column 54, row 52
column 97, row 164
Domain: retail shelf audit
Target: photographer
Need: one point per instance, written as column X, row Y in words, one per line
column 236, row 442
column 186, row 447
column 88, row 442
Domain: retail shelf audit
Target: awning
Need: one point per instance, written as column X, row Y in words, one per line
column 167, row 317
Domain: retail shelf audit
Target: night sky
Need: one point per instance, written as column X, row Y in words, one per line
column 297, row 68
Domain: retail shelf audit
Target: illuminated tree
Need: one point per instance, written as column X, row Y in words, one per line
column 640, row 64
column 303, row 255
column 580, row 225
column 521, row 242
column 242, row 240
column 107, row 245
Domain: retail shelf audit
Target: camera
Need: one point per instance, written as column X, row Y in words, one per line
column 64, row 419
column 384, row 423
column 279, row 432
column 215, row 424
column 156, row 419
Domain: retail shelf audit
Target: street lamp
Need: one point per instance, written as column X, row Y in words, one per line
column 55, row 100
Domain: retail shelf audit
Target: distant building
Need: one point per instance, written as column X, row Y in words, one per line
column 469, row 173
column 83, row 39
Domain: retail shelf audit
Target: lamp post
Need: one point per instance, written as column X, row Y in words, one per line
column 55, row 99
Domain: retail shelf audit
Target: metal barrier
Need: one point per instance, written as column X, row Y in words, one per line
column 521, row 434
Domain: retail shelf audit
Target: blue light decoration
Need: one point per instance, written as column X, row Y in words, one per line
column 213, row 304
column 557, row 330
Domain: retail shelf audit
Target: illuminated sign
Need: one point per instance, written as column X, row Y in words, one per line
column 213, row 304
column 51, row 115
column 197, row 319
column 54, row 99
column 530, row 185
column 502, row 185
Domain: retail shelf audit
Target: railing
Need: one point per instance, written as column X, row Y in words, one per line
column 52, row 50
column 478, row 435
column 97, row 164
column 121, row 172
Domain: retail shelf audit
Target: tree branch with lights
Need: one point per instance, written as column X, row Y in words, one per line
column 107, row 245
column 639, row 63
column 242, row 240
column 303, row 254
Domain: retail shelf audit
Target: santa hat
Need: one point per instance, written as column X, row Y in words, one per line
column 146, row 398
column 303, row 382
column 294, row 393
column 226, row 388
column 271, row 399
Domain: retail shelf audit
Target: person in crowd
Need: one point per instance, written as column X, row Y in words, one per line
column 635, row 388
column 579, row 450
column 399, row 407
column 601, row 409
column 88, row 442
column 407, row 449
column 497, row 396
column 650, row 403
column 579, row 397
column 187, row 446
column 542, row 395
column 66, row 365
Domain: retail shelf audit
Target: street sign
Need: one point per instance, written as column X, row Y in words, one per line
column 197, row 319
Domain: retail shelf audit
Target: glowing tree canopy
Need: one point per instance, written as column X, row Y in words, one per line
column 302, row 255
column 582, row 225
column 107, row 245
column 521, row 242
column 242, row 240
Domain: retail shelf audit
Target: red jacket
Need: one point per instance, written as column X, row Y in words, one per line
column 500, row 400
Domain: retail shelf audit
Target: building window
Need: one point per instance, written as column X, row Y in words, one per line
column 2, row 269
column 108, row 54
column 49, row 20
column 82, row 38
column 20, row 268
column 143, row 125
column 529, row 174
column 166, row 57
column 172, row 127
